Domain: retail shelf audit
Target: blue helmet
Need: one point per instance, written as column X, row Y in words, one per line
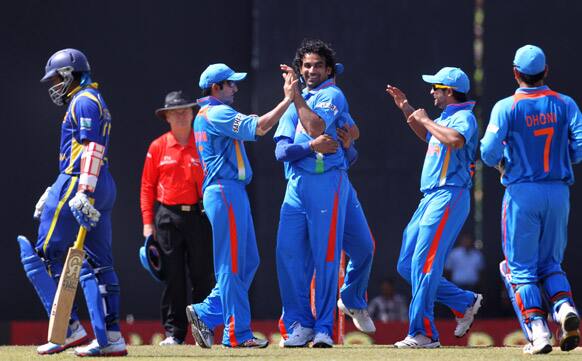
column 64, row 63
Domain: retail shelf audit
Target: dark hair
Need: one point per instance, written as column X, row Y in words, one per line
column 315, row 46
column 460, row 97
column 531, row 79
column 208, row 91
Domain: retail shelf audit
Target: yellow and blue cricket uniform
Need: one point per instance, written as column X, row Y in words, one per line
column 220, row 132
column 87, row 119
column 537, row 133
column 443, row 209
column 312, row 217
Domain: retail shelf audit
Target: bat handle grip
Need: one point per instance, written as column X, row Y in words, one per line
column 80, row 241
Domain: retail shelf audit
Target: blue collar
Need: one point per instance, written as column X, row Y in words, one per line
column 209, row 100
column 532, row 90
column 453, row 108
column 308, row 93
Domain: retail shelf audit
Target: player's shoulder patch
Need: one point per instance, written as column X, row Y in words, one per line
column 236, row 123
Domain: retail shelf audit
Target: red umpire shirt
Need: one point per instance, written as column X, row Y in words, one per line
column 172, row 175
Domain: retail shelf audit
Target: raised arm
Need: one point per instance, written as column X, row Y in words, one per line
column 402, row 103
column 445, row 135
column 268, row 120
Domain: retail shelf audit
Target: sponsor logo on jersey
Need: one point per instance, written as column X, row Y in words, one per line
column 237, row 120
column 433, row 149
column 167, row 160
column 492, row 128
column 85, row 123
column 327, row 105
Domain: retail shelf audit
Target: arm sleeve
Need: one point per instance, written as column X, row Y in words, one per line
column 465, row 123
column 328, row 105
column 149, row 183
column 492, row 142
column 575, row 132
column 88, row 116
column 233, row 124
column 287, row 125
column 351, row 154
column 287, row 151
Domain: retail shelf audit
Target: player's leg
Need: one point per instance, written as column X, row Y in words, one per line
column 294, row 270
column 358, row 243
column 173, row 244
column 56, row 234
column 325, row 207
column 438, row 228
column 554, row 282
column 199, row 258
column 230, row 261
column 521, row 229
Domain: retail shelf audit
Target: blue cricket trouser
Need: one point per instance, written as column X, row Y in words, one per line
column 426, row 242
column 58, row 231
column 236, row 259
column 534, row 223
column 311, row 226
column 358, row 243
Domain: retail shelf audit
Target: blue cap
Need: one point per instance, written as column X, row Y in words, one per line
column 453, row 77
column 216, row 73
column 530, row 60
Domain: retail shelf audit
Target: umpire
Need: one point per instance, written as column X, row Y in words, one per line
column 173, row 176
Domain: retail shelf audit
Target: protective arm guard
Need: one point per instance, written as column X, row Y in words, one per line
column 91, row 161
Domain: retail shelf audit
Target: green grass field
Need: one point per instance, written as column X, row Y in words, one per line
column 352, row 353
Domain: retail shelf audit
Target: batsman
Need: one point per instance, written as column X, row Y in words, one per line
column 82, row 196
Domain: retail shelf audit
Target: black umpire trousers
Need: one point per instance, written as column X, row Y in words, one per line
column 185, row 237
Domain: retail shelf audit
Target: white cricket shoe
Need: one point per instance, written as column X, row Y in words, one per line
column 418, row 341
column 116, row 347
column 464, row 323
column 170, row 341
column 360, row 317
column 299, row 337
column 569, row 324
column 322, row 340
column 541, row 339
column 77, row 337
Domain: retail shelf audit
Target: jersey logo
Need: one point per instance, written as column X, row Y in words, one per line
column 327, row 105
column 85, row 123
column 492, row 128
column 237, row 120
column 167, row 160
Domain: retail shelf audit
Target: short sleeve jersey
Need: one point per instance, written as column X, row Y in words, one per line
column 328, row 102
column 87, row 119
column 538, row 134
column 220, row 132
column 445, row 165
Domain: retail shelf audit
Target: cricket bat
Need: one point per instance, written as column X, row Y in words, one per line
column 65, row 296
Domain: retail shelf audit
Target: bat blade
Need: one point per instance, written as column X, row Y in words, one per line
column 65, row 296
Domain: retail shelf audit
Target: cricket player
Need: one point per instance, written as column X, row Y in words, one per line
column 534, row 137
column 445, row 184
column 83, row 195
column 220, row 132
column 311, row 222
column 357, row 238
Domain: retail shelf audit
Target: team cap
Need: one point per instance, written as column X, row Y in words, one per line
column 216, row 73
column 451, row 77
column 529, row 60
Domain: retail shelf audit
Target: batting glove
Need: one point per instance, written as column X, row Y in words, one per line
column 40, row 204
column 84, row 212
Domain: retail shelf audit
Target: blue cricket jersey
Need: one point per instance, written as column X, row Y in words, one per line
column 87, row 118
column 220, row 132
column 445, row 165
column 538, row 134
column 328, row 102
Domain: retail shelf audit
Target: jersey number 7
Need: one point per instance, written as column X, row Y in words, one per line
column 549, row 133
